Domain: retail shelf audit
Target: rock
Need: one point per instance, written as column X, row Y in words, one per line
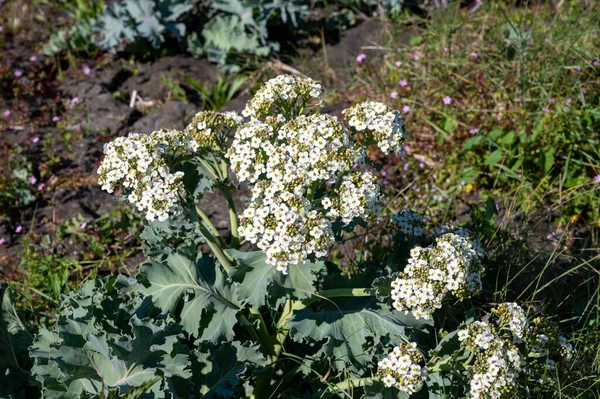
column 147, row 82
column 97, row 110
column 172, row 115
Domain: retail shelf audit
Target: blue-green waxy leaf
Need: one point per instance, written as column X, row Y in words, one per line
column 257, row 279
column 90, row 352
column 208, row 302
column 347, row 326
column 216, row 370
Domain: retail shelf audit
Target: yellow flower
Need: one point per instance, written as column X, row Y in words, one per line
column 574, row 219
column 468, row 188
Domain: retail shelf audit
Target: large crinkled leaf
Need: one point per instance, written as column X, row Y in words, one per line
column 112, row 27
column 257, row 278
column 160, row 238
column 208, row 302
column 91, row 351
column 349, row 327
column 216, row 370
column 78, row 360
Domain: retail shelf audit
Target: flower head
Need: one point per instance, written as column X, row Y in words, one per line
column 284, row 89
column 451, row 266
column 403, row 369
column 380, row 123
column 447, row 100
column 86, row 70
column 361, row 57
column 394, row 94
column 138, row 163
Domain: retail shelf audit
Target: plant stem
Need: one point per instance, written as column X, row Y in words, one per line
column 359, row 382
column 263, row 381
column 263, row 333
column 211, row 226
column 212, row 242
column 342, row 292
column 233, row 218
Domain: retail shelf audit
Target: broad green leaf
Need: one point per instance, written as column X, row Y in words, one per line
column 257, row 278
column 472, row 142
column 208, row 302
column 417, row 40
column 216, row 370
column 347, row 326
column 91, row 353
column 439, row 386
column 449, row 124
column 547, row 160
column 494, row 158
column 495, row 134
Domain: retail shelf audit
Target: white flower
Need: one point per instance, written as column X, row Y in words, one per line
column 402, row 368
column 451, row 266
column 383, row 125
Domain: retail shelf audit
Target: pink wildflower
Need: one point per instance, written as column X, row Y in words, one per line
column 35, row 140
column 19, row 229
column 41, row 187
column 447, row 100
column 403, row 83
column 394, row 94
column 86, row 70
column 406, row 109
column 32, row 180
column 361, row 57
column 398, row 64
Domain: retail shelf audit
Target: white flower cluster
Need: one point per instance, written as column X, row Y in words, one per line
column 402, row 369
column 285, row 167
column 409, row 223
column 452, row 266
column 138, row 163
column 514, row 316
column 211, row 129
column 509, row 346
column 497, row 363
column 282, row 93
column 379, row 123
column 141, row 163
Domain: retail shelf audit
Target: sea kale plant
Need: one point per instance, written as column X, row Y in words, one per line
column 261, row 312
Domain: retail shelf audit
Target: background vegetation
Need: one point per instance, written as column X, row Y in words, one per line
column 501, row 102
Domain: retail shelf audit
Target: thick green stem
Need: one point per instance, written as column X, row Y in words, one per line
column 342, row 292
column 211, row 226
column 263, row 381
column 359, row 382
column 212, row 242
column 233, row 218
column 263, row 333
